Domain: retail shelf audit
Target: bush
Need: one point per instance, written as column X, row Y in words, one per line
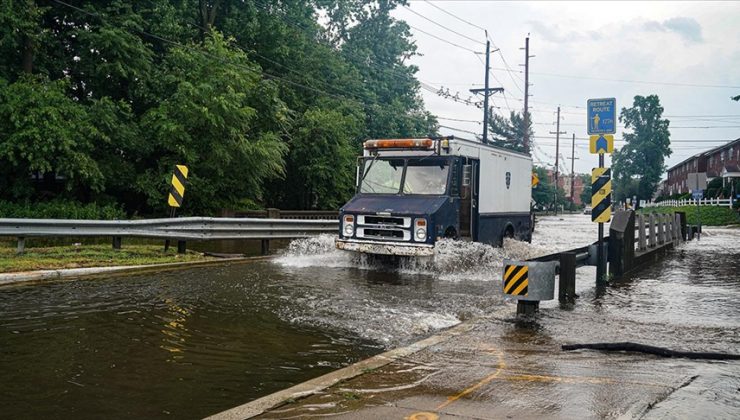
column 710, row 215
column 59, row 209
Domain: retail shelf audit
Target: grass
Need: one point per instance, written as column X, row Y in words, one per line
column 83, row 255
column 710, row 215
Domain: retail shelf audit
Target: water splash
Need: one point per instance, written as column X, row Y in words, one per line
column 452, row 260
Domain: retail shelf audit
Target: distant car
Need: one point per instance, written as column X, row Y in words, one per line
column 587, row 210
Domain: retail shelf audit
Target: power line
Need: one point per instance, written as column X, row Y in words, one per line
column 443, row 40
column 443, row 26
column 456, row 17
column 646, row 82
column 458, row 119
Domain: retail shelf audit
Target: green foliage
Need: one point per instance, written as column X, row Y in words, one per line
column 218, row 118
column 544, row 195
column 264, row 104
column 710, row 215
column 509, row 132
column 639, row 164
column 43, row 131
column 586, row 194
column 57, row 209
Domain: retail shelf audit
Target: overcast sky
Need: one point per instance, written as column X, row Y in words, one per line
column 658, row 48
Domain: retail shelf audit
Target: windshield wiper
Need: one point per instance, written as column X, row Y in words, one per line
column 367, row 171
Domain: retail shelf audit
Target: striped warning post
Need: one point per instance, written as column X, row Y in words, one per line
column 601, row 195
column 177, row 189
column 516, row 280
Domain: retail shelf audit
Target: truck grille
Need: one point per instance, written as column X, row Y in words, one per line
column 384, row 228
column 381, row 220
column 383, row 234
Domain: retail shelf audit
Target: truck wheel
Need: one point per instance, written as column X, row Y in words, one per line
column 509, row 232
column 451, row 233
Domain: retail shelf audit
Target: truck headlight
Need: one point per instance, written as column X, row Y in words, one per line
column 349, row 227
column 421, row 229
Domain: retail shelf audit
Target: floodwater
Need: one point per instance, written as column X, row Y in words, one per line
column 191, row 343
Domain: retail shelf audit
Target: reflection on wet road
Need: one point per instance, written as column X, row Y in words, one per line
column 192, row 343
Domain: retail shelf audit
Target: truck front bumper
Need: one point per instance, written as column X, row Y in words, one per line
column 385, row 248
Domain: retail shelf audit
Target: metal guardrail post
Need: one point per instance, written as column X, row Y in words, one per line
column 181, row 247
column 21, row 245
column 116, row 242
column 567, row 284
column 621, row 243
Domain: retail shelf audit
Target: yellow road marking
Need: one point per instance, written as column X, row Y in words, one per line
column 424, row 415
column 487, row 379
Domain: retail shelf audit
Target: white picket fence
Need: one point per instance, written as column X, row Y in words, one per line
column 690, row 202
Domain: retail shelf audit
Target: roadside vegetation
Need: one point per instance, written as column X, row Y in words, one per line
column 267, row 103
column 82, row 255
column 710, row 215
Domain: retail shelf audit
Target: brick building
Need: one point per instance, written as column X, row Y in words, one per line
column 722, row 161
column 564, row 183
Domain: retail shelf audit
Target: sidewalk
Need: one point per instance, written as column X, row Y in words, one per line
column 500, row 367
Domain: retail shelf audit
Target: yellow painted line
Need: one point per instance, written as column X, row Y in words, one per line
column 521, row 287
column 487, row 379
column 509, row 271
column 423, row 415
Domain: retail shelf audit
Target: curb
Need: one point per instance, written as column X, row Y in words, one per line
column 88, row 272
column 313, row 386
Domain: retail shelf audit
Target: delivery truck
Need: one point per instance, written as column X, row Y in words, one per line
column 413, row 192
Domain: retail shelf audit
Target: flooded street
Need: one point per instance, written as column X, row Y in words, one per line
column 191, row 343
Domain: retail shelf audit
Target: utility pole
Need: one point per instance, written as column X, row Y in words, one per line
column 572, row 171
column 557, row 156
column 486, row 90
column 526, row 94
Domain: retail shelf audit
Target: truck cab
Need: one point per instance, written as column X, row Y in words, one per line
column 413, row 192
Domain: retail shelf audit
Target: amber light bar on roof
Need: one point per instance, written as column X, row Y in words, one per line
column 399, row 144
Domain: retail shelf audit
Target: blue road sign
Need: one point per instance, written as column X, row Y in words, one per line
column 697, row 194
column 602, row 116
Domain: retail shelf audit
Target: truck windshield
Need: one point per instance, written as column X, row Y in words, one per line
column 426, row 177
column 423, row 176
column 382, row 176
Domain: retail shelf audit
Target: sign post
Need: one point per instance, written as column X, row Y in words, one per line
column 601, row 123
column 175, row 197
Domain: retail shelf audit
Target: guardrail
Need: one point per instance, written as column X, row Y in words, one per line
column 180, row 229
column 727, row 202
column 273, row 213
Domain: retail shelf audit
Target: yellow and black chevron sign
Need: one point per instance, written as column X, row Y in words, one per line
column 516, row 280
column 601, row 195
column 177, row 189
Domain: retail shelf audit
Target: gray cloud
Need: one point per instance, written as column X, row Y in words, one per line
column 687, row 28
column 553, row 33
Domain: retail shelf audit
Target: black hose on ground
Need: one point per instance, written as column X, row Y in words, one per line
column 658, row 351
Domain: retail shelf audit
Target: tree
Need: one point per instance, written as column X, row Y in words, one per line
column 217, row 116
column 509, row 132
column 544, row 194
column 586, row 194
column 639, row 164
